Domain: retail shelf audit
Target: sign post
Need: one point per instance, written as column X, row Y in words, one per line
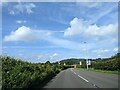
column 88, row 62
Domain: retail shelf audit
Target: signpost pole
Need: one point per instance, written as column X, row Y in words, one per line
column 87, row 63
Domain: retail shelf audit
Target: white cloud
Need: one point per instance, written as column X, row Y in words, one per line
column 99, row 55
column 46, row 57
column 68, row 44
column 81, row 27
column 12, row 12
column 20, row 54
column 40, row 56
column 100, row 51
column 22, row 8
column 55, row 54
column 95, row 17
column 76, row 27
column 94, row 30
column 26, row 34
column 90, row 4
column 95, row 10
column 115, row 49
column 21, row 21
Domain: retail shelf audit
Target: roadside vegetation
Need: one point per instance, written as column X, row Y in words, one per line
column 20, row 74
column 108, row 65
column 112, row 63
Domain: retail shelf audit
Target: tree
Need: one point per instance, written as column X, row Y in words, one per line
column 47, row 62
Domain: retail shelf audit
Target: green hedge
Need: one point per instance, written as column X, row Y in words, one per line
column 108, row 64
column 21, row 74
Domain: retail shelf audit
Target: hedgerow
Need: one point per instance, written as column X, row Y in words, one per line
column 21, row 74
column 112, row 63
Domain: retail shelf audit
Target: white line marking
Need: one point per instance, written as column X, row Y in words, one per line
column 71, row 70
column 74, row 73
column 83, row 78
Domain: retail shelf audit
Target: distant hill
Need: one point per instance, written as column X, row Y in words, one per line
column 112, row 63
column 71, row 61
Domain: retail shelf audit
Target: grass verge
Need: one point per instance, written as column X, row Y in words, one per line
column 103, row 71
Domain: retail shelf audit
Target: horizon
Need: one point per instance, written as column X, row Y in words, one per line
column 53, row 31
column 62, row 59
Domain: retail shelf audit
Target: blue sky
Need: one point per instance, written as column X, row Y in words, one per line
column 42, row 31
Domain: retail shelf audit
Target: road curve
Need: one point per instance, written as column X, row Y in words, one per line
column 74, row 78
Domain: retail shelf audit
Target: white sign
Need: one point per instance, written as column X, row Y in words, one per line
column 64, row 64
column 88, row 62
column 80, row 63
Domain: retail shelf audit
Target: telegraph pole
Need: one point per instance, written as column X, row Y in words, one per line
column 87, row 63
column 86, row 55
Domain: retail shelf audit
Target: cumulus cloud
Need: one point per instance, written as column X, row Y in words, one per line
column 81, row 27
column 76, row 27
column 94, row 30
column 26, row 34
column 22, row 8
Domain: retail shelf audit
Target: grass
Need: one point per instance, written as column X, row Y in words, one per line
column 103, row 71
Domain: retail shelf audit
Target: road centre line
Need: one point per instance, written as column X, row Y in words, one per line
column 83, row 78
column 80, row 76
column 74, row 72
column 71, row 70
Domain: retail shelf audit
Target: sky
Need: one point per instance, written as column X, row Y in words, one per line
column 42, row 31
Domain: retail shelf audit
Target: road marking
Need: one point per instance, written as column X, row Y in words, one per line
column 80, row 76
column 74, row 73
column 71, row 70
column 83, row 78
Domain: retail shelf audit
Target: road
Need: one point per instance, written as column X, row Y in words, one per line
column 74, row 78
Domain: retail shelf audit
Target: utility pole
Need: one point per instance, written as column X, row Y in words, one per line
column 86, row 55
column 87, row 63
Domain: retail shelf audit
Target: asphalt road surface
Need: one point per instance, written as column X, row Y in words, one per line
column 74, row 78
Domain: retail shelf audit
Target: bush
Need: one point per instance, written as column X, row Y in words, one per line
column 108, row 64
column 21, row 74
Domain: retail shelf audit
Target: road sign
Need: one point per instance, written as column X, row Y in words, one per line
column 58, row 62
column 80, row 63
column 88, row 62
